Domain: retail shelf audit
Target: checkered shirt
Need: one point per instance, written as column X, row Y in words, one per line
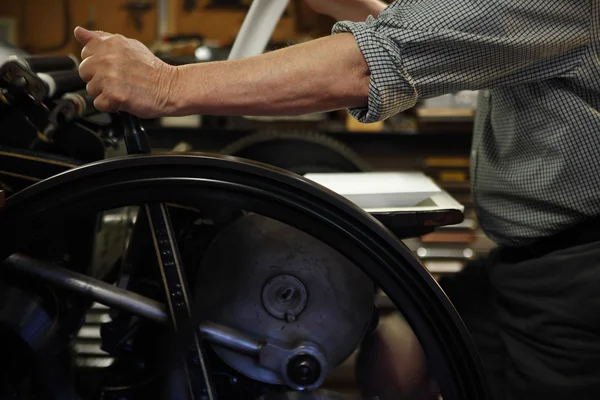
column 535, row 161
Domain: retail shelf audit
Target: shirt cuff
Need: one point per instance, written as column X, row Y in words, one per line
column 391, row 89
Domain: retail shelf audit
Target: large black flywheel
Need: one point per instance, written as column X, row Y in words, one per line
column 197, row 181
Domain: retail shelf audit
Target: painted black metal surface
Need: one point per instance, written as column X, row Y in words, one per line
column 192, row 179
column 177, row 292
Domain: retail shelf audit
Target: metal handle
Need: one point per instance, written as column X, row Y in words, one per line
column 136, row 139
column 173, row 276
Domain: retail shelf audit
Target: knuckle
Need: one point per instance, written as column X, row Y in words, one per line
column 93, row 89
column 86, row 71
column 111, row 59
column 120, row 97
column 115, row 39
column 116, row 94
column 105, row 104
column 112, row 79
column 100, row 104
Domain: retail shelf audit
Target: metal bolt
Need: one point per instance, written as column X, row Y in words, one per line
column 290, row 317
column 167, row 253
column 286, row 294
column 304, row 370
column 21, row 82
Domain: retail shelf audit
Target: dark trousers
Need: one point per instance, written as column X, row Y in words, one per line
column 535, row 322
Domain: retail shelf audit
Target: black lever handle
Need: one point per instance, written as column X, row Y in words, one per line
column 174, row 281
column 136, row 139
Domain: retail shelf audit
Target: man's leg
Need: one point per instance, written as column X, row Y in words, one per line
column 549, row 311
column 472, row 295
column 391, row 365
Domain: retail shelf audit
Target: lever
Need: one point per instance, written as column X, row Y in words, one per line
column 136, row 139
column 172, row 272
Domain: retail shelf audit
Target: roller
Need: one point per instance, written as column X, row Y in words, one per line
column 257, row 29
column 48, row 63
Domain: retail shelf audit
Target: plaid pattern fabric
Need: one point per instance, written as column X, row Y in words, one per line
column 536, row 146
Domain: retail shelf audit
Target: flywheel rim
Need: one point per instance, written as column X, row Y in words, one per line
column 274, row 193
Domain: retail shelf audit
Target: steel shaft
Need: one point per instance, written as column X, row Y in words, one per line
column 113, row 296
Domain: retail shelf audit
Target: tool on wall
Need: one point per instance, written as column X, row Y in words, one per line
column 137, row 9
column 67, row 31
column 91, row 22
column 231, row 4
column 189, row 5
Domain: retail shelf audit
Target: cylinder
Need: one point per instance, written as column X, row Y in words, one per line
column 83, row 101
column 50, row 63
column 61, row 82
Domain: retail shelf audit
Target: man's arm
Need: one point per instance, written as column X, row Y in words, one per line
column 344, row 10
column 412, row 50
column 418, row 49
column 325, row 74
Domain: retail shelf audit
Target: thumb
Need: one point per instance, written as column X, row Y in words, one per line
column 83, row 36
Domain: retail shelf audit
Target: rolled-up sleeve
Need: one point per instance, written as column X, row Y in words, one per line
column 418, row 49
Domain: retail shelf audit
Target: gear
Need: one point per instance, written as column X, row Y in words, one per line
column 299, row 152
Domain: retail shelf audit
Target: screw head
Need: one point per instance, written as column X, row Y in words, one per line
column 304, row 370
column 284, row 297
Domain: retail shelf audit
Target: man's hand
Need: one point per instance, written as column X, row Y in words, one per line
column 347, row 10
column 123, row 75
column 321, row 75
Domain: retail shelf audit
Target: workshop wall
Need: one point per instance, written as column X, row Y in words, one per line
column 41, row 22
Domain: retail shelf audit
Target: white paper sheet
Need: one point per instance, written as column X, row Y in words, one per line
column 379, row 189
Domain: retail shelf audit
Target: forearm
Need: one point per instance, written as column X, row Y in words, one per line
column 424, row 49
column 321, row 75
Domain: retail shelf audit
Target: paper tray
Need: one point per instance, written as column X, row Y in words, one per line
column 406, row 222
column 434, row 207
